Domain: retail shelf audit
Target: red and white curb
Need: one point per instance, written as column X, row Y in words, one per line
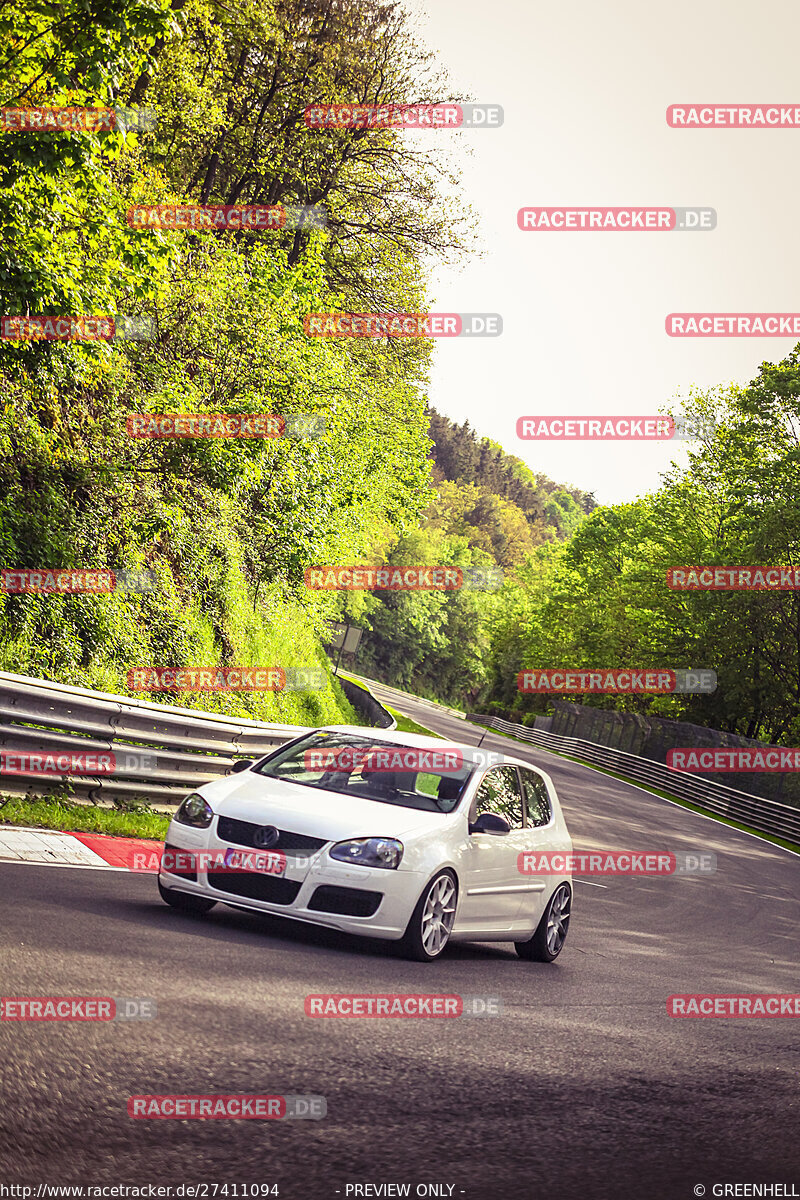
column 48, row 847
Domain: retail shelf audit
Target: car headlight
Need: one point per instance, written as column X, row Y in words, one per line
column 370, row 852
column 195, row 811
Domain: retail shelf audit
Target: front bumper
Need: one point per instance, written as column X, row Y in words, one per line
column 377, row 903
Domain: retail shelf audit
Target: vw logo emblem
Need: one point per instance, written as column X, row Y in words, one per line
column 266, row 837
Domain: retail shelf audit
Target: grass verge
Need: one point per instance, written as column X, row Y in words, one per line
column 53, row 813
column 406, row 725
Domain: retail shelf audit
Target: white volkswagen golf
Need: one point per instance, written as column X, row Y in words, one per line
column 391, row 835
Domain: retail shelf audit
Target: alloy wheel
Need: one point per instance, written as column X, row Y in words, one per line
column 438, row 914
column 558, row 919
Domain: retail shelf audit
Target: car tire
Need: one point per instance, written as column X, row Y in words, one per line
column 437, row 901
column 185, row 902
column 551, row 932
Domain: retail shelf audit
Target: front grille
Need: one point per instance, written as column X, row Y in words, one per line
column 176, row 860
column 348, row 902
column 255, row 886
column 241, row 833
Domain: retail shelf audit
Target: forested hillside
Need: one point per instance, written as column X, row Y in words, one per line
column 503, row 490
column 485, row 508
column 227, row 526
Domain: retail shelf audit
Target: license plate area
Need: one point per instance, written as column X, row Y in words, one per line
column 261, row 862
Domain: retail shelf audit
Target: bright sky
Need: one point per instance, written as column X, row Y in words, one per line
column 585, row 88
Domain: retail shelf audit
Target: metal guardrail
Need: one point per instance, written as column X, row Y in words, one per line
column 398, row 695
column 767, row 816
column 368, row 707
column 161, row 751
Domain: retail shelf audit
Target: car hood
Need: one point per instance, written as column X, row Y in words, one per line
column 315, row 812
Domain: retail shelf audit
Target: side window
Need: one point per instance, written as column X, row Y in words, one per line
column 499, row 793
column 537, row 802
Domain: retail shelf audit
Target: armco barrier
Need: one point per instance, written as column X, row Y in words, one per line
column 398, row 695
column 365, row 704
column 768, row 816
column 162, row 751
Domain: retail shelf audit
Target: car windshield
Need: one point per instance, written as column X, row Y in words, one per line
column 429, row 779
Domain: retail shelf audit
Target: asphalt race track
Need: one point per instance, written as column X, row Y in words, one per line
column 582, row 1087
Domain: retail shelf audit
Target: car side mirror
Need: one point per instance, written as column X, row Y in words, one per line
column 490, row 823
column 242, row 764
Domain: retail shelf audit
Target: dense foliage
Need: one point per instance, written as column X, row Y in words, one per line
column 228, row 527
column 486, row 510
column 602, row 598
